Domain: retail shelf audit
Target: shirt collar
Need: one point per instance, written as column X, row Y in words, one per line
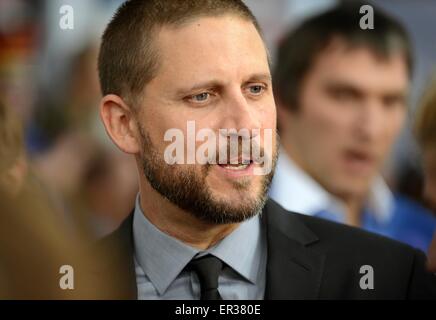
column 160, row 256
column 381, row 200
column 242, row 249
column 296, row 190
column 165, row 259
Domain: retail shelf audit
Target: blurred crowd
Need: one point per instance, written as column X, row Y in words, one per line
column 89, row 182
column 62, row 184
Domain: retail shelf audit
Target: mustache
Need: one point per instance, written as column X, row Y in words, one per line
column 243, row 152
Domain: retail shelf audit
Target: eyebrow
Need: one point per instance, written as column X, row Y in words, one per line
column 260, row 77
column 213, row 83
column 335, row 85
column 342, row 85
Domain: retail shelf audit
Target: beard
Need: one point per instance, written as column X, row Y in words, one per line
column 186, row 188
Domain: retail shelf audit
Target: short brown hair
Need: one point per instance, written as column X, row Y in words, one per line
column 299, row 49
column 128, row 60
column 425, row 124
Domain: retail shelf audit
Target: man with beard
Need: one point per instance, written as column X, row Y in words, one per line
column 207, row 231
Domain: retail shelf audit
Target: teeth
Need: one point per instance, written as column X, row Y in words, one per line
column 236, row 167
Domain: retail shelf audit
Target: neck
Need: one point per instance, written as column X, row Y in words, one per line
column 353, row 213
column 179, row 223
column 353, row 204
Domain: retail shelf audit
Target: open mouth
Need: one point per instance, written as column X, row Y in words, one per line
column 358, row 156
column 237, row 163
column 237, row 167
column 361, row 161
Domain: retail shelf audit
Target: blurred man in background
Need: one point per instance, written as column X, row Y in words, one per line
column 426, row 135
column 341, row 93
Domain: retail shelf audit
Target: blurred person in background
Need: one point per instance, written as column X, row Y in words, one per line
column 63, row 136
column 74, row 160
column 341, row 93
column 35, row 240
column 425, row 131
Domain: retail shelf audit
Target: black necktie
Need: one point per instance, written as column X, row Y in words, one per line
column 207, row 269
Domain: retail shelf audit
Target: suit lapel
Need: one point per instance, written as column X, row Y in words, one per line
column 294, row 270
column 120, row 244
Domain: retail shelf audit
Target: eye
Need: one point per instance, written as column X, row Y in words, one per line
column 256, row 89
column 394, row 102
column 201, row 97
column 343, row 95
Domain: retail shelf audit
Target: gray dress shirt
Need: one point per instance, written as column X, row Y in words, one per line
column 160, row 261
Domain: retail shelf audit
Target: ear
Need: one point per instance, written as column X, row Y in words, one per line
column 120, row 123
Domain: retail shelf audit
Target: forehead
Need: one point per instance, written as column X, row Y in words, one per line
column 216, row 46
column 361, row 67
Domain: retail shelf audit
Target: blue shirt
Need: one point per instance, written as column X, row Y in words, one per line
column 160, row 261
column 409, row 223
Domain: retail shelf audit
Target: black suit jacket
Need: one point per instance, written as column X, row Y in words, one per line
column 311, row 258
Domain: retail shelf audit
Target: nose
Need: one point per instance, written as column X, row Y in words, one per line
column 371, row 121
column 240, row 115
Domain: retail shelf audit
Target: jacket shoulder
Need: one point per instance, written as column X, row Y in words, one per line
column 399, row 270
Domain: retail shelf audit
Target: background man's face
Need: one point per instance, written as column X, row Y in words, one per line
column 213, row 71
column 351, row 108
